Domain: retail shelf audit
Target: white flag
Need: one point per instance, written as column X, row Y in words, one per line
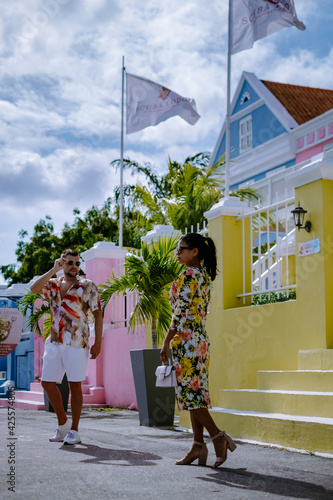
column 256, row 19
column 149, row 103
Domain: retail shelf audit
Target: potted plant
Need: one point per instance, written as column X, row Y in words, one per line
column 150, row 275
column 42, row 312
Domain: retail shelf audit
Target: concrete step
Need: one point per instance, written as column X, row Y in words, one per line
column 29, row 395
column 95, row 396
column 34, row 399
column 301, row 380
column 24, row 404
column 318, row 404
column 86, row 388
column 91, row 405
column 315, row 359
column 36, row 387
column 312, row 434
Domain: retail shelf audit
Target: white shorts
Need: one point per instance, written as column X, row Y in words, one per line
column 61, row 358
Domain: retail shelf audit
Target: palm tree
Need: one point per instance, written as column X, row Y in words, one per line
column 182, row 195
column 26, row 303
column 150, row 276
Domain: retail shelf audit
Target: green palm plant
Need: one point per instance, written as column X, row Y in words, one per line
column 26, row 303
column 150, row 276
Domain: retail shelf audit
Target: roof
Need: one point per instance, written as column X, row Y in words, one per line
column 302, row 103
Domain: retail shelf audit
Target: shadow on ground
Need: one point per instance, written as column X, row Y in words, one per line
column 290, row 488
column 99, row 455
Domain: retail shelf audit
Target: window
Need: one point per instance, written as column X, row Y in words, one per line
column 245, row 134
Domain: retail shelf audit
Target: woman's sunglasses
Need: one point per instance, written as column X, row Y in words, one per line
column 180, row 248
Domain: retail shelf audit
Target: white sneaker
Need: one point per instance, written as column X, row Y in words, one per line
column 72, row 437
column 61, row 432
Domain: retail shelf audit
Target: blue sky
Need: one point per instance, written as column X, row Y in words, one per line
column 60, row 92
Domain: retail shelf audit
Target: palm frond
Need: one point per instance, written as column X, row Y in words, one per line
column 150, row 275
column 28, row 302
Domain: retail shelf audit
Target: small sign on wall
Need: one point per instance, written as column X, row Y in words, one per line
column 10, row 330
column 309, row 247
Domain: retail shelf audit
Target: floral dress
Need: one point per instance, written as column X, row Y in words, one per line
column 189, row 297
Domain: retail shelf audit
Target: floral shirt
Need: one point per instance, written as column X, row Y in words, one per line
column 69, row 316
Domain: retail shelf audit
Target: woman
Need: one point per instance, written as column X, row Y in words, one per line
column 190, row 295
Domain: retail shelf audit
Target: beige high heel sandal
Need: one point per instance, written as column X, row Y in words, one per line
column 230, row 445
column 191, row 456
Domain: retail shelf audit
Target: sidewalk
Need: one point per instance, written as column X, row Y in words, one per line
column 120, row 459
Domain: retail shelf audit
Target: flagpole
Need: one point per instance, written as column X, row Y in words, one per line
column 227, row 132
column 121, row 203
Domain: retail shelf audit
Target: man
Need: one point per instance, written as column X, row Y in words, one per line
column 67, row 348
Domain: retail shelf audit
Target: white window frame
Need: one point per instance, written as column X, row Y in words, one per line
column 245, row 134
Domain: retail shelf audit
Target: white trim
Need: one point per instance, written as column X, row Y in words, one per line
column 313, row 126
column 321, row 167
column 246, row 135
column 103, row 250
column 160, row 231
column 328, row 147
column 248, row 110
column 227, row 206
column 16, row 290
column 275, row 152
column 272, row 102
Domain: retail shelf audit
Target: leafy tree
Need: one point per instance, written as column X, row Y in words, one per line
column 150, row 275
column 35, row 256
column 38, row 254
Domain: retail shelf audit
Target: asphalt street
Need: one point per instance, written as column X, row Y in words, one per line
column 120, row 459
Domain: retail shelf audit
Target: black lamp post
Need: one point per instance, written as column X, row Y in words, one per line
column 298, row 214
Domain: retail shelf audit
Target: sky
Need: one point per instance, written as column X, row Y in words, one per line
column 60, row 92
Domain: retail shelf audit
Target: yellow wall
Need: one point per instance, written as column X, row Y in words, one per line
column 245, row 339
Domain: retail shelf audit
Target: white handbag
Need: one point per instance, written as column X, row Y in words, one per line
column 166, row 376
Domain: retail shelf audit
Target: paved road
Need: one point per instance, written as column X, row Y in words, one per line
column 120, row 459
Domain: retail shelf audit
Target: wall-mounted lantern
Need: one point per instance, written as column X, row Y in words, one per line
column 298, row 214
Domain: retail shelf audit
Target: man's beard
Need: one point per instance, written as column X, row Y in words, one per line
column 71, row 274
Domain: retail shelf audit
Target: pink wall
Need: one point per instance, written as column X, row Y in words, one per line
column 38, row 348
column 117, row 368
column 310, row 152
column 112, row 369
column 38, row 354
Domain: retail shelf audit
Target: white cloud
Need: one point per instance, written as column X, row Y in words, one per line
column 61, row 91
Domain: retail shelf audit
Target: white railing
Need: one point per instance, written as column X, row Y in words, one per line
column 121, row 307
column 270, row 225
column 267, row 268
column 196, row 228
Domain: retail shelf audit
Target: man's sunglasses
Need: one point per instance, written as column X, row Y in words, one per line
column 71, row 262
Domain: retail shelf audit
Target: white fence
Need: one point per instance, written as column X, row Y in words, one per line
column 272, row 242
column 121, row 307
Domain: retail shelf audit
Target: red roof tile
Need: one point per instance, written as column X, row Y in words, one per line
column 302, row 103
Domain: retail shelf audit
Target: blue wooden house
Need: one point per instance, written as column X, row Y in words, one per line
column 19, row 365
column 275, row 127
